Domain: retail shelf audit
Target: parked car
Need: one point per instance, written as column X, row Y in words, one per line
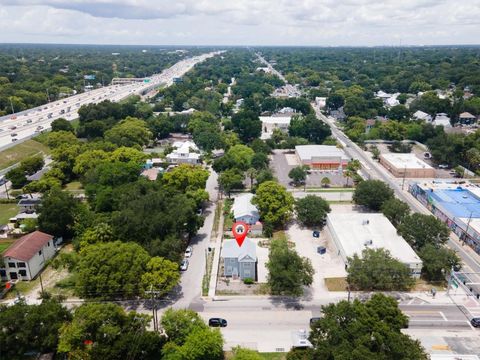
column 217, row 322
column 314, row 320
column 188, row 252
column 443, row 166
column 184, row 265
column 475, row 322
column 316, row 233
column 321, row 250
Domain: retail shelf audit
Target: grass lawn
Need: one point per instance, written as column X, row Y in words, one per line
column 74, row 186
column 7, row 211
column 422, row 285
column 336, row 284
column 21, row 151
column 266, row 356
column 4, row 245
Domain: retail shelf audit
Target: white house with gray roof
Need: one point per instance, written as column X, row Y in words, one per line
column 239, row 261
column 244, row 210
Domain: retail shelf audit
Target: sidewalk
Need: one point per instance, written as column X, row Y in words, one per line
column 216, row 255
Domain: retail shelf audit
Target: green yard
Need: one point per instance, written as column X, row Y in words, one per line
column 21, row 151
column 4, row 245
column 7, row 211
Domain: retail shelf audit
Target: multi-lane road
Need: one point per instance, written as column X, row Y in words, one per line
column 20, row 126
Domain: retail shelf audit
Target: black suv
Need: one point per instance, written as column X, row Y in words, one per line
column 217, row 322
column 475, row 322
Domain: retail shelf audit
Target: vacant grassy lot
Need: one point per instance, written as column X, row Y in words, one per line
column 21, row 151
column 336, row 284
column 7, row 211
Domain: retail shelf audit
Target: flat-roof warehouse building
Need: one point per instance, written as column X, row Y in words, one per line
column 457, row 206
column 354, row 232
column 321, row 157
column 406, row 165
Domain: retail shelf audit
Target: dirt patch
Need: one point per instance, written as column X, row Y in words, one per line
column 336, row 283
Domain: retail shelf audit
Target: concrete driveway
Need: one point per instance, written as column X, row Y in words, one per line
column 327, row 265
column 262, row 258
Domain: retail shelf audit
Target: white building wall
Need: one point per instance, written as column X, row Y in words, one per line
column 37, row 262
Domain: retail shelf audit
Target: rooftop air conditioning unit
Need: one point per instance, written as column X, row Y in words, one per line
column 368, row 242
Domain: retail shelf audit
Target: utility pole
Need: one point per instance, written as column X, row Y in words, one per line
column 404, row 175
column 154, row 307
column 6, row 190
column 468, row 227
column 11, row 105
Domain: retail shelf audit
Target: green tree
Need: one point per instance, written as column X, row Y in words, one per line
column 178, row 324
column 161, row 275
column 312, row 210
column 241, row 156
column 395, row 210
column 240, row 353
column 201, row 344
column 376, row 269
column 274, row 203
column 30, row 328
column 375, row 152
column 88, row 160
column 370, row 330
column 230, row 179
column 111, row 270
column 298, row 174
column 106, row 331
column 372, row 194
column 17, row 177
column 352, row 169
column 57, row 213
column 247, row 125
column 61, row 125
column 129, row 132
column 59, row 138
column 325, row 181
column 437, row 261
column 419, row 230
column 288, row 272
column 32, row 164
column 185, row 178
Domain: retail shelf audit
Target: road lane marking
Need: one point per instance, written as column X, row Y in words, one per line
column 443, row 315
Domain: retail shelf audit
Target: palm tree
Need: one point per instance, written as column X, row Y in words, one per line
column 252, row 174
column 352, row 167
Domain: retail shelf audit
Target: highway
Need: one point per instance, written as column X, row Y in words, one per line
column 15, row 128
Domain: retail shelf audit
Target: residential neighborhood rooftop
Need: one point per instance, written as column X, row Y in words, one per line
column 231, row 249
column 28, row 245
column 242, row 205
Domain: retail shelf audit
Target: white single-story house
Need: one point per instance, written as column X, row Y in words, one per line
column 270, row 123
column 443, row 120
column 240, row 261
column 27, row 256
column 244, row 210
column 420, row 115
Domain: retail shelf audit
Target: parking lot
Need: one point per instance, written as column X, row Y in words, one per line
column 327, row 265
column 282, row 161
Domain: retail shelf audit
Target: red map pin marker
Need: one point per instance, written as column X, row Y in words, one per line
column 240, row 231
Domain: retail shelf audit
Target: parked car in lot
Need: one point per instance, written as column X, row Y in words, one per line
column 188, row 252
column 316, row 233
column 217, row 322
column 475, row 322
column 443, row 166
column 184, row 265
column 313, row 320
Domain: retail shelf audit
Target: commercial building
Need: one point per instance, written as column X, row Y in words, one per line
column 456, row 205
column 27, row 256
column 354, row 232
column 406, row 165
column 321, row 157
column 270, row 123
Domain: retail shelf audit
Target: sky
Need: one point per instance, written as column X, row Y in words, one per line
column 241, row 22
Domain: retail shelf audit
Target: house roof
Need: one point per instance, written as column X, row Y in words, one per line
column 419, row 114
column 242, row 206
column 28, row 245
column 466, row 115
column 29, row 201
column 248, row 249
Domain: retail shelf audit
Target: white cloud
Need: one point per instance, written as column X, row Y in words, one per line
column 275, row 22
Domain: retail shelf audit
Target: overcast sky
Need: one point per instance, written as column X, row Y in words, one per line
column 241, row 22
